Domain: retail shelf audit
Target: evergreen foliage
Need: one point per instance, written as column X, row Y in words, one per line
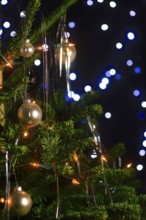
column 64, row 176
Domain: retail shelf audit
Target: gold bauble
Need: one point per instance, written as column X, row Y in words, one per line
column 29, row 114
column 27, row 49
column 20, row 202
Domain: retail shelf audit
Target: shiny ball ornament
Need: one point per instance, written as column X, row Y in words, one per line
column 27, row 49
column 20, row 202
column 29, row 114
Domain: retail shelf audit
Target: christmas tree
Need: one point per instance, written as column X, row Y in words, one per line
column 53, row 164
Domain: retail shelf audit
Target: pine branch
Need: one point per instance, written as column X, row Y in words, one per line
column 49, row 21
column 13, row 47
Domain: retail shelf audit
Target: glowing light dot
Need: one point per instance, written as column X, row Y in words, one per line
column 105, row 80
column 130, row 35
column 107, row 73
column 144, row 134
column 89, row 2
column 142, row 153
column 6, row 24
column 108, row 115
column 144, row 143
column 136, row 92
column 100, row 1
column 132, row 13
column 112, row 4
column 4, row 2
column 102, row 86
column 143, row 104
column 139, row 167
column 104, row 27
column 137, row 69
column 22, row 14
column 129, row 62
column 72, row 76
column 13, row 33
column 76, row 97
column 87, row 88
column 71, row 24
column 112, row 71
column 119, row 45
column 37, row 62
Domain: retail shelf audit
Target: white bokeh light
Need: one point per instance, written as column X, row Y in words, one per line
column 142, row 153
column 112, row 71
column 102, row 86
column 13, row 33
column 104, row 27
column 71, row 24
column 6, row 24
column 4, row 2
column 119, row 45
column 108, row 115
column 129, row 62
column 87, row 88
column 130, row 35
column 37, row 62
column 144, row 134
column 100, row 1
column 89, row 2
column 76, row 97
column 112, row 4
column 72, row 76
column 105, row 80
column 139, row 167
column 132, row 13
column 22, row 14
column 144, row 143
column 143, row 104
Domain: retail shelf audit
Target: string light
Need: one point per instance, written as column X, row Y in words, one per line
column 75, row 182
column 129, row 165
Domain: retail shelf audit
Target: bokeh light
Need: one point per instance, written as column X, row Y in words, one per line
column 144, row 143
column 89, row 2
column 136, row 92
column 119, row 45
column 142, row 153
column 143, row 104
column 108, row 115
column 112, row 4
column 130, row 35
column 6, row 24
column 139, row 167
column 72, row 76
column 137, row 69
column 71, row 24
column 129, row 62
column 87, row 88
column 104, row 27
column 37, row 62
column 132, row 13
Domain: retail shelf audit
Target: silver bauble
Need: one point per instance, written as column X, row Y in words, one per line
column 29, row 114
column 27, row 49
column 20, row 202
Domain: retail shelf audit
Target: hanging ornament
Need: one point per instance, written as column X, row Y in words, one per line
column 20, row 202
column 29, row 114
column 27, row 49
